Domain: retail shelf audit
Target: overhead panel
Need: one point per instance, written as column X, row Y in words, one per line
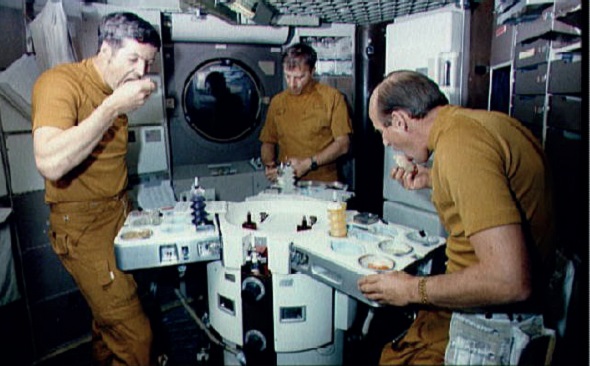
column 361, row 12
column 303, row 12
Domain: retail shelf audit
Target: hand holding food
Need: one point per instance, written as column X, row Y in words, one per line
column 409, row 174
column 131, row 95
column 404, row 163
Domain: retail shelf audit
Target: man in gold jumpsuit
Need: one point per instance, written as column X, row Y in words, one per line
column 80, row 143
column 308, row 122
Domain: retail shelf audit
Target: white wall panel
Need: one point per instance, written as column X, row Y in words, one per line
column 3, row 186
column 402, row 214
column 24, row 176
column 12, row 119
column 147, row 150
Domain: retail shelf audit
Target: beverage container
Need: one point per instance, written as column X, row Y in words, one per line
column 337, row 219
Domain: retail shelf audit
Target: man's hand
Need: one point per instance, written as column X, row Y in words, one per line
column 390, row 288
column 271, row 172
column 131, row 95
column 300, row 166
column 418, row 178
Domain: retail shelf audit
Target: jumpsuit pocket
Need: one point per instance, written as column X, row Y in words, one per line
column 105, row 275
column 66, row 229
column 59, row 242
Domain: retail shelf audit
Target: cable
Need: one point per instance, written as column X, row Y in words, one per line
column 239, row 354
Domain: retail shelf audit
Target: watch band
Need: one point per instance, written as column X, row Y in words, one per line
column 314, row 163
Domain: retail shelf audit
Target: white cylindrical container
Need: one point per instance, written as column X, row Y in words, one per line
column 337, row 219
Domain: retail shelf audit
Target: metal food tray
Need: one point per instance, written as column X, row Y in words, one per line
column 341, row 262
column 165, row 237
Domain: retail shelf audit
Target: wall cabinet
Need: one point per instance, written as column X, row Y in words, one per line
column 545, row 91
column 545, row 94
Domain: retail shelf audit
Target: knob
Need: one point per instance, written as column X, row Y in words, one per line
column 252, row 289
column 255, row 340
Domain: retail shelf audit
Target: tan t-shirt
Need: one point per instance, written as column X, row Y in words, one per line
column 488, row 171
column 303, row 125
column 63, row 97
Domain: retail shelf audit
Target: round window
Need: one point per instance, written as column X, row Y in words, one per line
column 221, row 100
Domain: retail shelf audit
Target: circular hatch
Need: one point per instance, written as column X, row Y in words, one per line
column 222, row 100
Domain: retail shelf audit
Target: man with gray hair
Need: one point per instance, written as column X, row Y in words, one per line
column 80, row 143
column 492, row 191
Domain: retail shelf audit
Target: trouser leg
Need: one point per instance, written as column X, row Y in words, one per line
column 423, row 344
column 101, row 354
column 84, row 240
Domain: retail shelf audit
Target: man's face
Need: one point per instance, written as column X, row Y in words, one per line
column 387, row 133
column 397, row 135
column 129, row 62
column 297, row 78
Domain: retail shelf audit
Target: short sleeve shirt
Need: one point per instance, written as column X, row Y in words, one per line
column 63, row 97
column 303, row 125
column 488, row 171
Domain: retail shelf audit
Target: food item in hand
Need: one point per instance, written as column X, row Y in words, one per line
column 403, row 162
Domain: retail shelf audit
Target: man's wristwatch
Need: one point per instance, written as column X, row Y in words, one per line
column 314, row 164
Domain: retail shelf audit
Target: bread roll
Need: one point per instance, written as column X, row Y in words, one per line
column 403, row 162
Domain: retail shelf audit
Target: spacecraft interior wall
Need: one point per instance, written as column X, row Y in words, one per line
column 208, row 124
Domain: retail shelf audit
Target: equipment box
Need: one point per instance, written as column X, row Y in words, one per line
column 533, row 53
column 545, row 26
column 565, row 77
column 531, row 80
column 502, row 44
column 529, row 109
column 565, row 112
